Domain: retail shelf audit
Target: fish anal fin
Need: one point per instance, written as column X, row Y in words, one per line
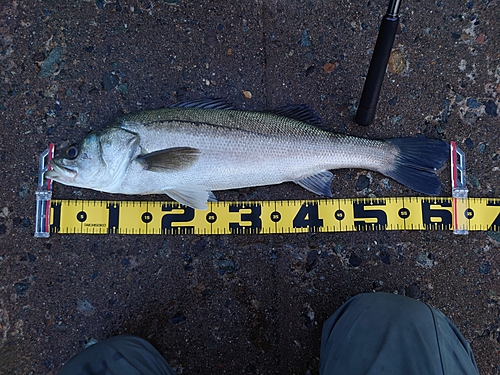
column 318, row 183
column 193, row 196
column 170, row 159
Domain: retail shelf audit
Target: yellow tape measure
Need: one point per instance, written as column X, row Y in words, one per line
column 268, row 217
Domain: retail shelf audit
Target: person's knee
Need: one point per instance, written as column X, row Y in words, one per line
column 379, row 310
column 391, row 305
column 124, row 341
column 123, row 354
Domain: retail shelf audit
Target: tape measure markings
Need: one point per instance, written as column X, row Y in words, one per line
column 268, row 217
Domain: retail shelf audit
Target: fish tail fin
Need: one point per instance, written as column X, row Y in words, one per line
column 417, row 161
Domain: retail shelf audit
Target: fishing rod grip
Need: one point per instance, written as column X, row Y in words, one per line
column 376, row 71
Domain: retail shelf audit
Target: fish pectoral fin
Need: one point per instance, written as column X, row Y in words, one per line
column 193, row 196
column 170, row 159
column 318, row 183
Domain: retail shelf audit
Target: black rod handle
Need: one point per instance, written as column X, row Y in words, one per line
column 378, row 65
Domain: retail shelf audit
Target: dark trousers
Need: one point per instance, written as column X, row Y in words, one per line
column 376, row 333
column 381, row 333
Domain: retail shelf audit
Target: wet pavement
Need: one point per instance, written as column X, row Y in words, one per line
column 244, row 303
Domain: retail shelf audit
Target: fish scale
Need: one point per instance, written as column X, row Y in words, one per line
column 240, row 153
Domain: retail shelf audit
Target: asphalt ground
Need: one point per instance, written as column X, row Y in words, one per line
column 240, row 303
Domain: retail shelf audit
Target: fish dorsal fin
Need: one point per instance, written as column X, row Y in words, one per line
column 300, row 112
column 204, row 104
column 192, row 196
column 170, row 159
column 318, row 183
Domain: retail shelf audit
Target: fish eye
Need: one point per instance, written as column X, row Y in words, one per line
column 72, row 151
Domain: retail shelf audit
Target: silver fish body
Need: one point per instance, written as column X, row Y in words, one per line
column 189, row 152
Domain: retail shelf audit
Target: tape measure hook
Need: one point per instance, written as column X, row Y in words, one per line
column 458, row 163
column 43, row 195
column 459, row 190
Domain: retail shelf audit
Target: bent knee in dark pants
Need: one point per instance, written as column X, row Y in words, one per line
column 382, row 333
column 124, row 355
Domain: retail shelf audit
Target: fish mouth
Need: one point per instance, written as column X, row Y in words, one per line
column 60, row 172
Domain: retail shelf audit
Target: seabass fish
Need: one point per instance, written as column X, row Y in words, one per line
column 189, row 150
